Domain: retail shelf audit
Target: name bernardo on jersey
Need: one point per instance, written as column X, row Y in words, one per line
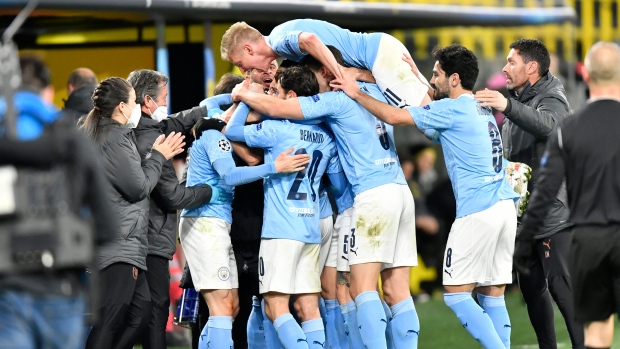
column 302, row 212
column 313, row 137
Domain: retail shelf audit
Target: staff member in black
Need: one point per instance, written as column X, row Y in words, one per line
column 585, row 149
column 537, row 103
column 125, row 299
column 168, row 195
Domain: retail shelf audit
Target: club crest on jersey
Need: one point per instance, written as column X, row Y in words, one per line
column 259, row 126
column 316, row 98
column 427, row 107
column 224, row 145
column 223, row 273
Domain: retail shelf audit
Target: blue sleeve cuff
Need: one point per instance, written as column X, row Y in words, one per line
column 215, row 101
column 234, row 176
column 339, row 183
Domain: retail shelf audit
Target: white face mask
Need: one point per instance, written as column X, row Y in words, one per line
column 160, row 113
column 134, row 118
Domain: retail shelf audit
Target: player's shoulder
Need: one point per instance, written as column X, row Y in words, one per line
column 211, row 134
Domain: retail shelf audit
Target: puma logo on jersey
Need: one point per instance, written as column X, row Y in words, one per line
column 548, row 244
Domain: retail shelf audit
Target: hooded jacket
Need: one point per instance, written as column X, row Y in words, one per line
column 169, row 195
column 132, row 180
column 530, row 117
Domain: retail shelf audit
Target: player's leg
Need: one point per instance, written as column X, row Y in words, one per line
column 599, row 334
column 271, row 336
column 219, row 332
column 307, row 307
column 279, row 265
column 466, row 263
column 307, row 290
column 372, row 242
column 351, row 335
column 491, row 294
column 255, row 329
column 400, row 86
column 334, row 327
column 553, row 252
column 404, row 324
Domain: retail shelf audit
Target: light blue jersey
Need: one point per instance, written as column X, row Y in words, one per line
column 358, row 49
column 211, row 146
column 292, row 200
column 326, row 206
column 365, row 144
column 345, row 201
column 473, row 151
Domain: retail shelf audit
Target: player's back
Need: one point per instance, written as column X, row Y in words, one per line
column 292, row 200
column 206, row 150
column 358, row 49
column 365, row 144
column 473, row 152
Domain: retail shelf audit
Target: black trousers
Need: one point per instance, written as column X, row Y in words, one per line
column 158, row 278
column 550, row 278
column 125, row 308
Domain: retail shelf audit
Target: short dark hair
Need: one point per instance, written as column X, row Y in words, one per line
column 203, row 125
column 287, row 63
column 458, row 59
column 226, row 84
column 533, row 50
column 147, row 82
column 300, row 80
column 82, row 77
column 314, row 63
column 35, row 74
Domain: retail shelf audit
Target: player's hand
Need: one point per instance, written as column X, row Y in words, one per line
column 493, row 99
column 360, row 74
column 286, row 163
column 524, row 247
column 414, row 68
column 240, row 90
column 256, row 87
column 170, row 146
column 345, row 84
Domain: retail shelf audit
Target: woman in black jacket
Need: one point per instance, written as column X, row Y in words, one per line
column 125, row 300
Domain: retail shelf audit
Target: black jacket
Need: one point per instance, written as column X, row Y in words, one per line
column 168, row 195
column 530, row 118
column 132, row 180
column 80, row 102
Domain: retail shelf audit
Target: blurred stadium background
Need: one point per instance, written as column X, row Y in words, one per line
column 181, row 38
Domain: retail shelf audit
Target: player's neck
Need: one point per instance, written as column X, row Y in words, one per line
column 264, row 49
column 457, row 92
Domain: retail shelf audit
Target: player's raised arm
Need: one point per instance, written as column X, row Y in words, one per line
column 383, row 111
column 311, row 44
column 268, row 105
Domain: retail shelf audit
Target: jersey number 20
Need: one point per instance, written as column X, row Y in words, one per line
column 294, row 193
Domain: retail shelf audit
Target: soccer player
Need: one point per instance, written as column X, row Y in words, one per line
column 205, row 230
column 264, row 77
column 290, row 246
column 380, row 53
column 481, row 243
column 382, row 238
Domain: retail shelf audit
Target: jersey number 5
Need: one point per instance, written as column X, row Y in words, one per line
column 294, row 193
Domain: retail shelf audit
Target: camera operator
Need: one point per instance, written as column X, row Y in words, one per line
column 44, row 307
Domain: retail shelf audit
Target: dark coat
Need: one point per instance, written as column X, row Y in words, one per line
column 530, row 118
column 168, row 195
column 132, row 180
column 79, row 103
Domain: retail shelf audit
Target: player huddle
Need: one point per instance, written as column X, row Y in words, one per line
column 341, row 133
